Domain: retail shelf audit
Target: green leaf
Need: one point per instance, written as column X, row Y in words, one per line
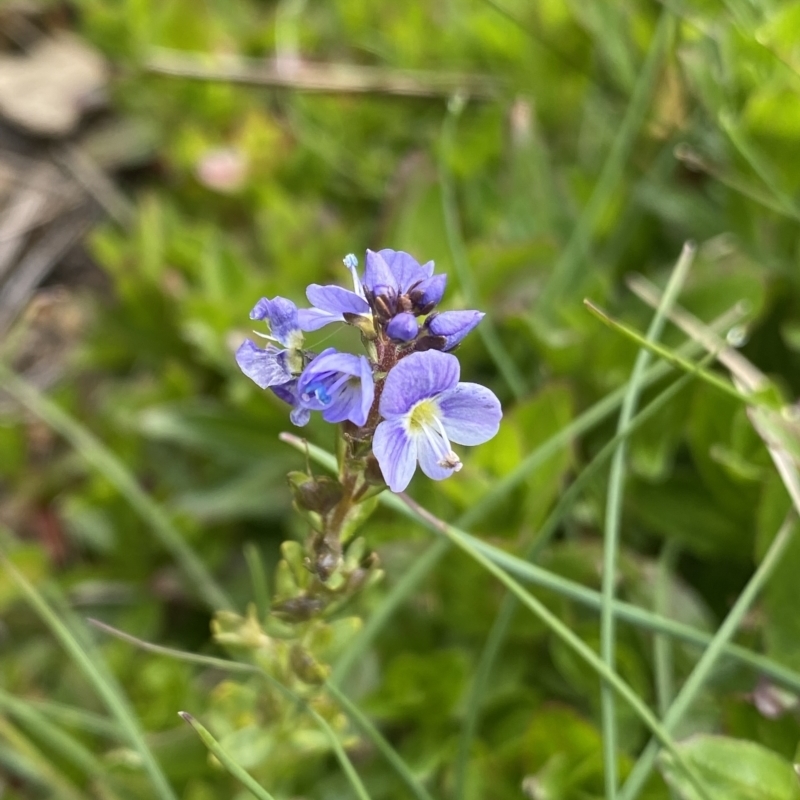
column 733, row 769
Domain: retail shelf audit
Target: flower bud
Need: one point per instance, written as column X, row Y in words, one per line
column 402, row 327
column 315, row 494
column 306, row 667
column 427, row 294
column 453, row 325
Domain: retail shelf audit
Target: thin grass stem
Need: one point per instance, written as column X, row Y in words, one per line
column 568, row 637
column 671, row 357
column 499, row 630
column 662, row 645
column 696, row 680
column 226, row 759
column 93, row 668
column 382, row 745
column 613, row 520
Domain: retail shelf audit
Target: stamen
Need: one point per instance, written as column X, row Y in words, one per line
column 439, row 441
column 351, row 262
column 318, row 390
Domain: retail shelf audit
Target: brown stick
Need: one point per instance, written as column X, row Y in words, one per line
column 321, row 77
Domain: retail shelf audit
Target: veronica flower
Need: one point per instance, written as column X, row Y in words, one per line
column 340, row 385
column 425, row 409
column 333, row 303
column 271, row 366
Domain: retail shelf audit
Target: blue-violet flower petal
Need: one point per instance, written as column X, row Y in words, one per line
column 281, row 314
column 453, row 325
column 266, row 367
column 402, row 327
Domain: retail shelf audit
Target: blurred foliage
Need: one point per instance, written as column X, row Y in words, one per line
column 561, row 190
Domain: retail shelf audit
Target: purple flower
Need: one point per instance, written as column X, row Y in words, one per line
column 392, row 273
column 331, row 303
column 395, row 283
column 340, row 385
column 425, row 408
column 453, row 326
column 271, row 365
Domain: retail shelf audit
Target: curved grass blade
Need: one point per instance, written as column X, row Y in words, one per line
column 92, row 666
column 634, row 615
column 42, row 766
column 705, row 665
column 569, row 638
column 225, row 759
column 497, row 634
column 58, row 740
column 200, row 580
column 238, row 666
column 613, row 520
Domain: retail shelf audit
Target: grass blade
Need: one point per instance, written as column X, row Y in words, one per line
column 76, row 717
column 567, row 636
column 703, row 668
column 199, row 578
column 670, row 356
column 634, row 615
column 225, row 759
column 45, row 771
column 237, row 666
column 613, row 521
column 377, row 738
column 497, row 634
column 104, row 684
column 54, row 737
column 662, row 646
column 566, row 271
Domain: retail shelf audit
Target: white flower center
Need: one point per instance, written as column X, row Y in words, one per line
column 424, row 419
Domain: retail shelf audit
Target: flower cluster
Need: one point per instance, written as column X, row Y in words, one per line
column 404, row 399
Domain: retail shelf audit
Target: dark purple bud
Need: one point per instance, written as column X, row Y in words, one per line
column 453, row 325
column 427, row 294
column 403, row 327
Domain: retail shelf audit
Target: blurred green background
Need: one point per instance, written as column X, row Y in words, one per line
column 604, row 135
